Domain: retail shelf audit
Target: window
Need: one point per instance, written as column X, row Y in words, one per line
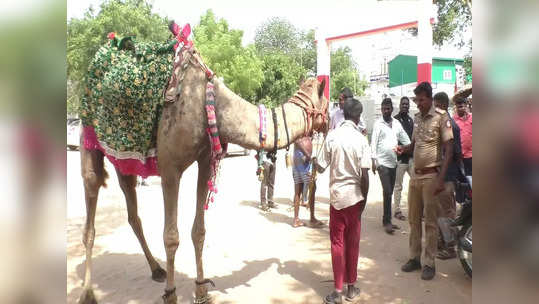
column 448, row 75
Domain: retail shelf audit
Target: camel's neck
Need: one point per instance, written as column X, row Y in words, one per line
column 238, row 121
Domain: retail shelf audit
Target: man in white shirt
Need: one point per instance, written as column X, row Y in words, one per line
column 387, row 133
column 346, row 152
column 337, row 115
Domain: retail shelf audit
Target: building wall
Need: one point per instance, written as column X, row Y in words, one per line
column 402, row 70
column 443, row 71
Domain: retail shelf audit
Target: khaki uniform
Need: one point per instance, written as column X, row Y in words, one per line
column 430, row 132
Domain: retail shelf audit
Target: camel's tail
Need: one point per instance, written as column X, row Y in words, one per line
column 101, row 171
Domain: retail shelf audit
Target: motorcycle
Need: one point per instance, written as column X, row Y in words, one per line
column 459, row 231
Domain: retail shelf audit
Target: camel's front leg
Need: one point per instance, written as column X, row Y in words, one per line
column 199, row 230
column 93, row 175
column 128, row 184
column 170, row 181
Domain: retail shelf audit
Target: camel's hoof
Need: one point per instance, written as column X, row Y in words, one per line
column 87, row 297
column 159, row 275
column 170, row 297
column 203, row 300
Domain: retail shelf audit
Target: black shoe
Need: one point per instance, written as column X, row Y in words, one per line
column 428, row 273
column 272, row 205
column 352, row 293
column 411, row 265
column 333, row 298
column 446, row 254
column 388, row 228
column 398, row 215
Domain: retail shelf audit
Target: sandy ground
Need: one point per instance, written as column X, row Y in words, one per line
column 252, row 256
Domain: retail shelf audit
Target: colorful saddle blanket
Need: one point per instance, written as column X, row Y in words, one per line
column 123, row 102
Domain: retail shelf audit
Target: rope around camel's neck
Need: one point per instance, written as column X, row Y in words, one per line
column 304, row 101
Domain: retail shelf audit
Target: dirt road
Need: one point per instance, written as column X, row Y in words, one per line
column 252, row 256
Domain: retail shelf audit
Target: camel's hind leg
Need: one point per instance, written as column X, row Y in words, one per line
column 198, row 232
column 128, row 184
column 94, row 175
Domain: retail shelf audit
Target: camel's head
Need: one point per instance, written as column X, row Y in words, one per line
column 315, row 92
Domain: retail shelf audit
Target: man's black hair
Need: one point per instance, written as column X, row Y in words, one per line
column 387, row 102
column 424, row 87
column 346, row 92
column 442, row 97
column 405, row 98
column 352, row 109
column 459, row 99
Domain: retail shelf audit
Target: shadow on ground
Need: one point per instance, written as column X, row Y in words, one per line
column 110, row 269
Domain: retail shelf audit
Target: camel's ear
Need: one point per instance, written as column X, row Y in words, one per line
column 321, row 88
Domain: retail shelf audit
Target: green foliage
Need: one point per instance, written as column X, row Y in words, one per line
column 467, row 67
column 86, row 35
column 222, row 51
column 279, row 35
column 345, row 73
column 454, row 18
column 281, row 78
column 288, row 54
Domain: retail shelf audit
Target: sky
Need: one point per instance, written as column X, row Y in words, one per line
column 334, row 18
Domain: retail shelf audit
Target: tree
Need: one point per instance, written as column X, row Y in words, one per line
column 279, row 35
column 222, row 51
column 86, row 35
column 281, row 78
column 454, row 19
column 345, row 73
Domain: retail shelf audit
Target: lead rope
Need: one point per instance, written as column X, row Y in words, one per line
column 314, row 171
column 262, row 133
column 287, row 157
column 275, row 134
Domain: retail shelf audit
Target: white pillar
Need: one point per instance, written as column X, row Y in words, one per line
column 424, row 37
column 322, row 59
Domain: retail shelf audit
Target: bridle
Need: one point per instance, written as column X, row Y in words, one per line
column 304, row 101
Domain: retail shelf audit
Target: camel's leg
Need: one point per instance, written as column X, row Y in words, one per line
column 93, row 174
column 170, row 181
column 128, row 184
column 198, row 232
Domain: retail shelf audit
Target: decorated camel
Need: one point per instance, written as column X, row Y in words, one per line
column 183, row 135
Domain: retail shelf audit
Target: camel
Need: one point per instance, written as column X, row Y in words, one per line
column 182, row 140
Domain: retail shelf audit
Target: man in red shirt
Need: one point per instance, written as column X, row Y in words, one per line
column 464, row 120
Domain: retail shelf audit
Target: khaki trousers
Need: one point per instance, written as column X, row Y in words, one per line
column 421, row 200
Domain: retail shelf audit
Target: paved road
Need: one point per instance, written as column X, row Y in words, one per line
column 252, row 256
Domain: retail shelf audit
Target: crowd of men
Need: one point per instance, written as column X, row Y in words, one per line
column 434, row 148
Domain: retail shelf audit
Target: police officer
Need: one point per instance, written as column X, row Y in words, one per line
column 432, row 134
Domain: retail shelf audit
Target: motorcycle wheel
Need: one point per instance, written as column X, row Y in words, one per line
column 465, row 256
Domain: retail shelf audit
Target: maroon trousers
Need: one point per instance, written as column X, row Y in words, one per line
column 344, row 232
